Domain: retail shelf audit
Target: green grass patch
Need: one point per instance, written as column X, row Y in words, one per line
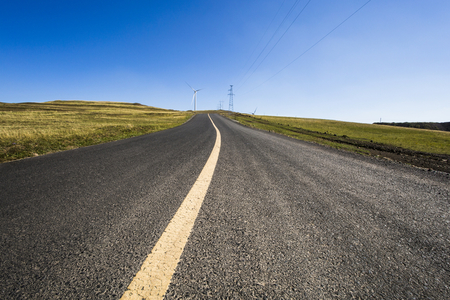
column 339, row 134
column 30, row 129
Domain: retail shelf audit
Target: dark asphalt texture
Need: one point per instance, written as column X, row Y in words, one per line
column 78, row 224
column 282, row 219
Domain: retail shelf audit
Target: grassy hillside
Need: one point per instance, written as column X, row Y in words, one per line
column 424, row 148
column 30, row 129
column 421, row 125
column 408, row 138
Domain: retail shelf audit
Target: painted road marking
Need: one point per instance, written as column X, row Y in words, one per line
column 153, row 280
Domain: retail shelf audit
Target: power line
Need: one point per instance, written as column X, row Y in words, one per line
column 260, row 40
column 271, row 38
column 315, row 44
column 270, row 51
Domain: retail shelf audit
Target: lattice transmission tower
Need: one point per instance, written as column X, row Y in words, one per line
column 230, row 105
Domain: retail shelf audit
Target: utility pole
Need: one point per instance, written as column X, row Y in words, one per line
column 230, row 105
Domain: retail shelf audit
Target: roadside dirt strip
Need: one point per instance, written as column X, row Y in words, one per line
column 281, row 219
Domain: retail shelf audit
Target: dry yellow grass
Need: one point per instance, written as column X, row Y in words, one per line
column 29, row 129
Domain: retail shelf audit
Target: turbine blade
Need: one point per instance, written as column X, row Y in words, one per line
column 190, row 86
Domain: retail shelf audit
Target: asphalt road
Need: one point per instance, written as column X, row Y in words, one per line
column 282, row 219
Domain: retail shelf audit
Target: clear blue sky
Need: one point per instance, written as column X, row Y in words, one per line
column 390, row 60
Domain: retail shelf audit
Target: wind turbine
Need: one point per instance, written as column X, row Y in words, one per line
column 194, row 98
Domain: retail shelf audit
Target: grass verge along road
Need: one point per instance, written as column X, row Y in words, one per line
column 418, row 147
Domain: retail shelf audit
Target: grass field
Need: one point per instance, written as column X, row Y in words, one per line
column 334, row 133
column 30, row 129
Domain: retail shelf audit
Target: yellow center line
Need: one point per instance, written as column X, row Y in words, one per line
column 153, row 280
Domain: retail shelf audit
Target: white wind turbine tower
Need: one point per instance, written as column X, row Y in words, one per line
column 194, row 98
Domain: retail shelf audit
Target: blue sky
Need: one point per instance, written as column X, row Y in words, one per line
column 390, row 60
